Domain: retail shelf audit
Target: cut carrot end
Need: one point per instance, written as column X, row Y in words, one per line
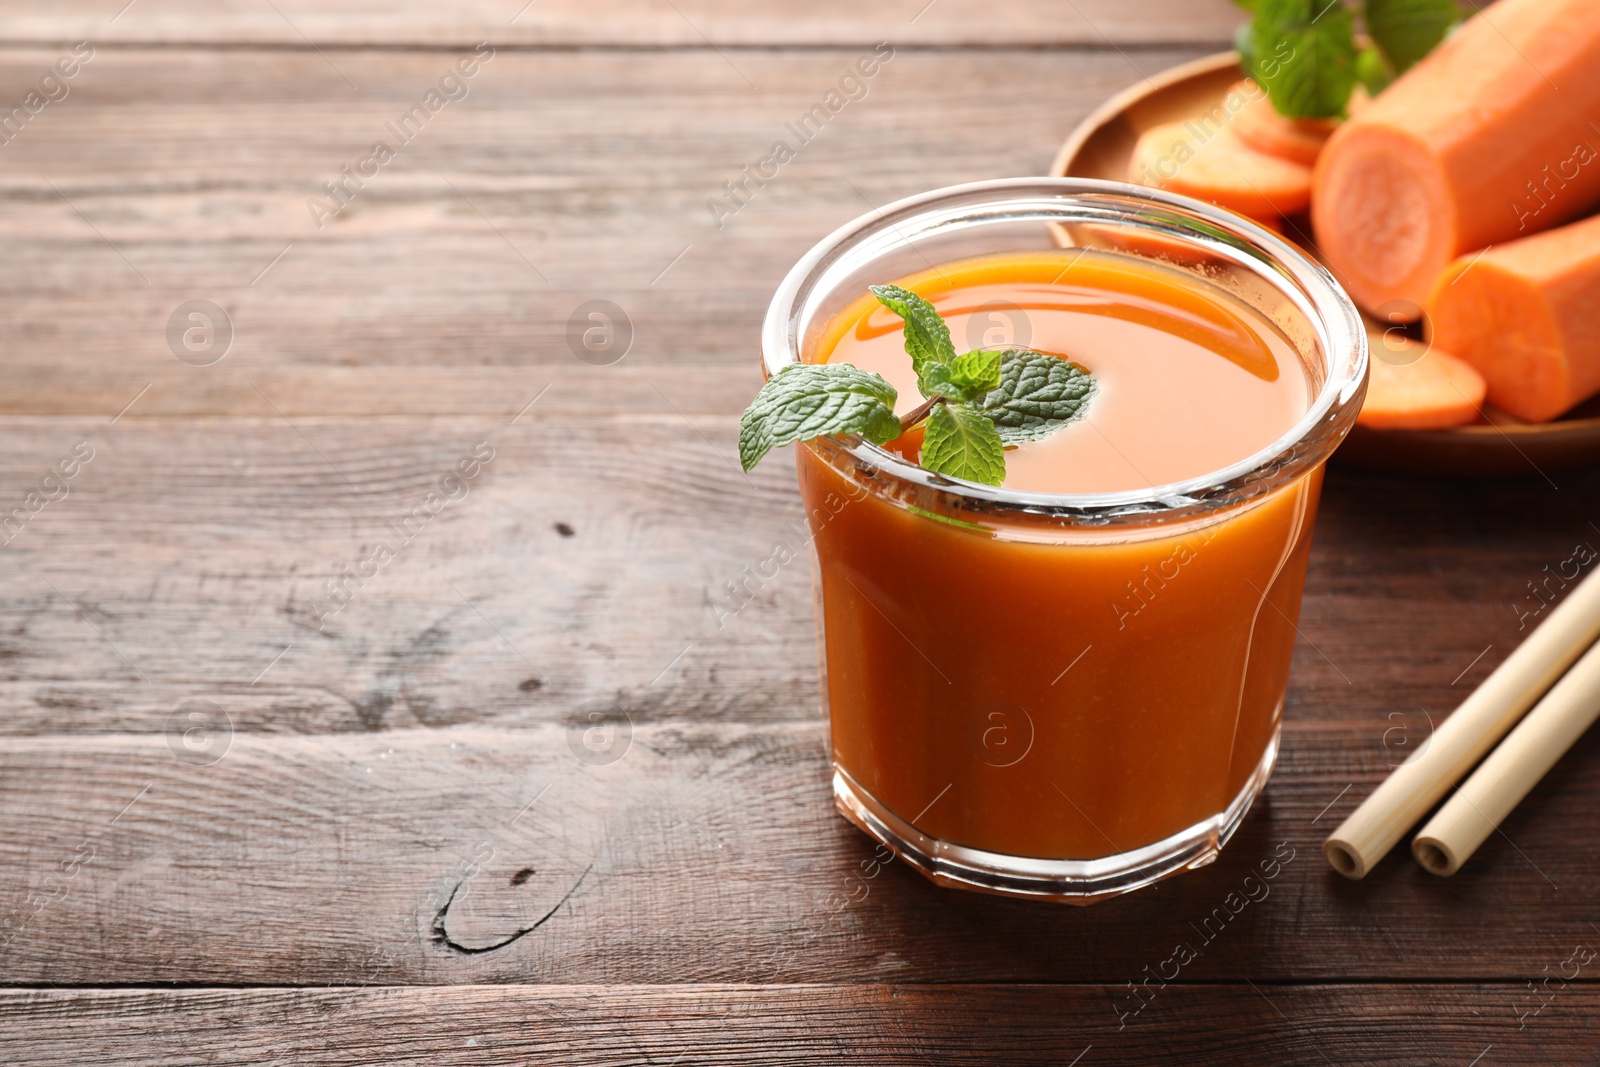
column 1501, row 324
column 1483, row 142
column 1373, row 210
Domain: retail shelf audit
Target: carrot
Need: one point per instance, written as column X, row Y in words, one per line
column 1527, row 314
column 1259, row 125
column 1485, row 140
column 1209, row 162
column 1410, row 387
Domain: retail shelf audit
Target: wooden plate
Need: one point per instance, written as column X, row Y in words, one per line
column 1500, row 446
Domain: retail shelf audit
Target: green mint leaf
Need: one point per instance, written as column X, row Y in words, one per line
column 1372, row 70
column 973, row 375
column 1244, row 43
column 1407, row 30
column 963, row 443
column 807, row 400
column 883, row 425
column 927, row 337
column 1248, row 5
column 1037, row 395
column 1303, row 52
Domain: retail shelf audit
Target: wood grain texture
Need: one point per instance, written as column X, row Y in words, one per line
column 683, row 23
column 198, row 549
column 853, row 1023
column 701, row 852
column 208, row 780
column 169, row 176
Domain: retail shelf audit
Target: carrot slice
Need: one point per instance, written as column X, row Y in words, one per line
column 1201, row 159
column 1259, row 125
column 1486, row 140
column 1527, row 315
column 1415, row 387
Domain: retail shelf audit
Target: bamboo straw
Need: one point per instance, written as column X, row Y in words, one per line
column 1418, row 783
column 1479, row 806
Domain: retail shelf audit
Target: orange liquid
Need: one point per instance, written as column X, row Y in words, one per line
column 1068, row 694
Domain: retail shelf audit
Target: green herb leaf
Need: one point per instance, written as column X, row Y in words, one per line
column 1244, row 43
column 1248, row 5
column 963, row 444
column 1037, row 395
column 927, row 337
column 1372, row 70
column 973, row 375
column 978, row 402
column 1407, row 30
column 807, row 400
column 1303, row 52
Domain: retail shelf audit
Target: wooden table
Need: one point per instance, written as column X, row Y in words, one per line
column 267, row 799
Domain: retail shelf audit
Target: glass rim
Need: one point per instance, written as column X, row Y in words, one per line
column 1335, row 323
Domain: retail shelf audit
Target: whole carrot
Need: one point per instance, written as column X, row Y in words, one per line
column 1489, row 138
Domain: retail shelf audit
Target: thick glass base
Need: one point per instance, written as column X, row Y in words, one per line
column 1067, row 881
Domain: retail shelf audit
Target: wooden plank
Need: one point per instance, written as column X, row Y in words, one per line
column 900, row 1025
column 490, row 394
column 198, row 549
column 560, row 179
column 684, row 23
column 702, row 852
column 615, row 536
column 402, row 798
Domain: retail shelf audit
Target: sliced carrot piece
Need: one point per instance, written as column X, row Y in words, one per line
column 1488, row 139
column 1209, row 162
column 1261, row 127
column 1415, row 387
column 1527, row 315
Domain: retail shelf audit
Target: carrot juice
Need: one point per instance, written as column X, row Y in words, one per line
column 1071, row 684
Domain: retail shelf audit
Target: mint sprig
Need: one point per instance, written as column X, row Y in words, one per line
column 977, row 404
column 927, row 337
column 963, row 443
column 1036, row 396
column 1304, row 52
column 1407, row 30
column 970, row 376
column 807, row 400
